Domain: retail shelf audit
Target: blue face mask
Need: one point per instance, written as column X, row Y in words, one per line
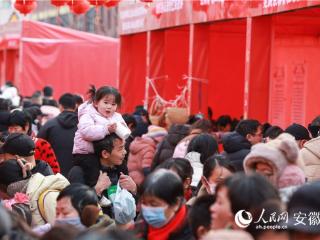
column 75, row 221
column 154, row 216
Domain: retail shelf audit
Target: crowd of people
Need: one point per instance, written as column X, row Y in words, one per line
column 78, row 169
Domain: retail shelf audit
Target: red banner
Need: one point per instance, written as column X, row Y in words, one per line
column 139, row 17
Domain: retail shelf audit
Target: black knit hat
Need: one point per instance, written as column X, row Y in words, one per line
column 19, row 144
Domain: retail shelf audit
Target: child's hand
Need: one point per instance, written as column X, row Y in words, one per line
column 112, row 128
column 126, row 182
column 102, row 183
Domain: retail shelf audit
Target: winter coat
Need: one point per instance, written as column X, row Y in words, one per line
column 37, row 185
column 142, row 151
column 92, row 127
column 236, row 148
column 310, row 154
column 167, row 147
column 60, row 132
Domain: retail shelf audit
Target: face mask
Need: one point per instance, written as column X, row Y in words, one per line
column 75, row 221
column 154, row 216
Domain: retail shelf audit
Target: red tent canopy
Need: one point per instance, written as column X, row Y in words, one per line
column 65, row 59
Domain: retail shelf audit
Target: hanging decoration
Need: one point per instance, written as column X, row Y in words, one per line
column 25, row 6
column 58, row 3
column 97, row 3
column 79, row 6
column 111, row 3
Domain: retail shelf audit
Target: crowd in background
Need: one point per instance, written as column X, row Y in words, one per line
column 75, row 168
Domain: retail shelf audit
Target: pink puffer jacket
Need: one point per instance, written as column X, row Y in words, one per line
column 92, row 127
column 142, row 151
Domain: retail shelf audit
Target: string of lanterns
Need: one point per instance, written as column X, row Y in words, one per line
column 76, row 6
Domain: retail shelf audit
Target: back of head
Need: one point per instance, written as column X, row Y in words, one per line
column 248, row 126
column 273, row 132
column 47, row 91
column 248, row 191
column 200, row 215
column 203, row 125
column 217, row 160
column 130, row 120
column 4, row 104
column 80, row 195
column 163, row 184
column 10, row 172
column 179, row 165
column 205, row 144
column 298, row 131
column 306, row 201
column 61, row 232
column 223, row 121
column 67, row 101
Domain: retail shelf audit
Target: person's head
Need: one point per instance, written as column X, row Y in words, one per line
column 19, row 145
column 314, row 127
column 61, row 232
column 20, row 122
column 67, row 102
column 10, row 172
column 305, row 202
column 143, row 113
column 161, row 197
column 276, row 160
column 78, row 99
column 106, row 100
column 199, row 216
column 205, row 144
column 201, row 126
column 272, row 133
column 130, row 121
column 182, row 167
column 71, row 202
column 47, row 91
column 110, row 149
column 215, row 169
column 239, row 192
column 36, row 98
column 300, row 133
column 251, row 130
column 224, row 123
column 4, row 104
column 193, row 118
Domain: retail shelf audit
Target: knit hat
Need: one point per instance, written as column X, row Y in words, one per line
column 155, row 131
column 298, row 131
column 19, row 144
column 277, row 153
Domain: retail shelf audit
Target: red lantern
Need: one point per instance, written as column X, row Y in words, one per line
column 97, row 3
column 25, row 2
column 111, row 3
column 26, row 6
column 58, row 3
column 80, row 7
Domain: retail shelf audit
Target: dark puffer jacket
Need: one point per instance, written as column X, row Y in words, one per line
column 59, row 132
column 236, row 148
column 166, row 148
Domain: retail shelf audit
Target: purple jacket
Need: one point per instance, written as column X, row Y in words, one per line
column 92, row 127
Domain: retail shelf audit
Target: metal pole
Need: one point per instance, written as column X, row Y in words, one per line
column 146, row 94
column 190, row 66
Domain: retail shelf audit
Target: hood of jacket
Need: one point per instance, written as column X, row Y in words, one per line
column 141, row 143
column 234, row 142
column 68, row 119
column 313, row 146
